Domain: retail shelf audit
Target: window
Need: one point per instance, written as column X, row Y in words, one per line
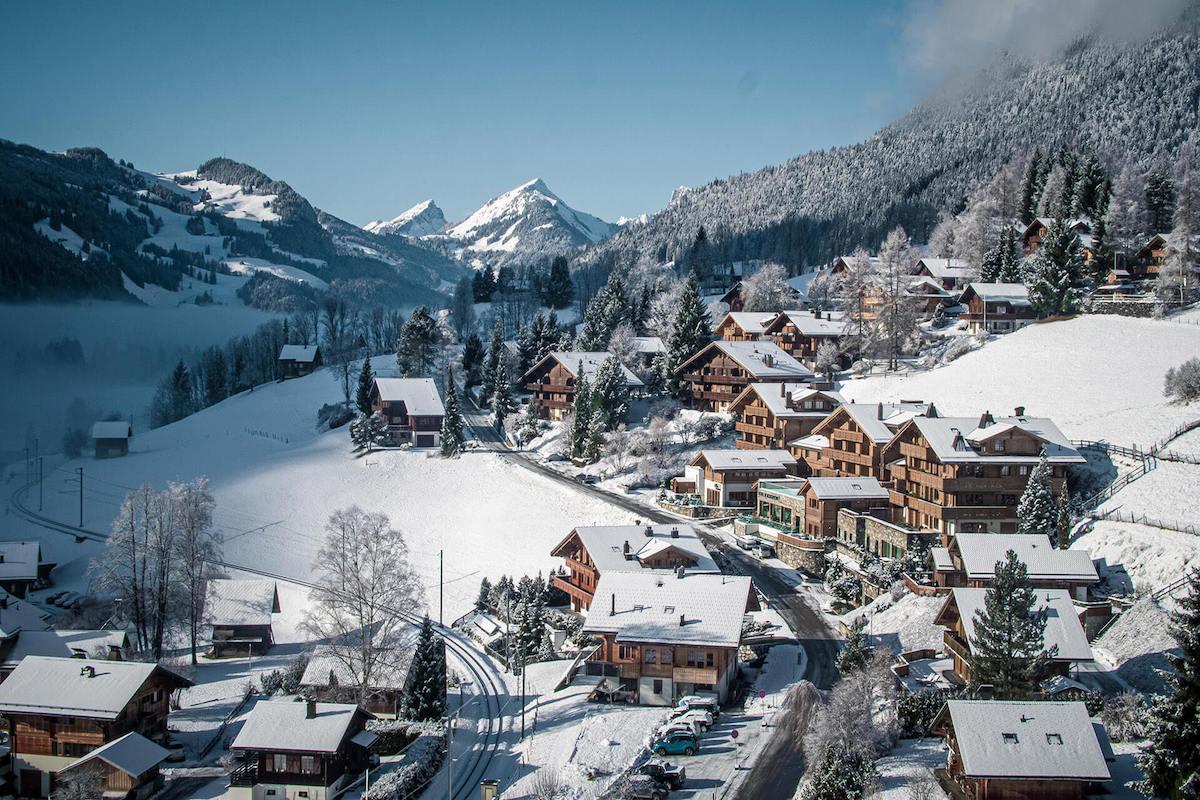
column 999, row 445
column 279, row 762
column 308, row 764
column 658, row 687
column 270, row 792
column 1053, row 738
column 1005, row 470
column 651, row 655
column 1009, row 738
column 1023, row 470
column 666, row 656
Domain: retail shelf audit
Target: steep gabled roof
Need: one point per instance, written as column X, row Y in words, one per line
column 300, row 353
column 240, row 602
column 584, row 362
column 722, row 460
column 419, row 395
column 20, row 560
column 669, row 609
column 855, row 488
column 749, row 321
column 761, row 360
column 282, row 725
column 1016, row 294
column 946, row 268
column 63, row 686
column 879, row 421
column 112, row 429
column 1044, row 561
column 780, row 399
column 605, row 545
column 958, row 439
column 1063, row 629
column 829, row 323
column 132, row 754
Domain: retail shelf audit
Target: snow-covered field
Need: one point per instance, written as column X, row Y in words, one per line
column 276, row 481
column 1170, row 493
column 244, row 265
column 1096, row 376
column 1150, row 557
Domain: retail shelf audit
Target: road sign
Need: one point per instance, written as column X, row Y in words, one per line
column 762, row 693
column 733, row 734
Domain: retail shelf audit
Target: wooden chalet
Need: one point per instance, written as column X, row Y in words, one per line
column 970, row 560
column 721, row 370
column 125, row 768
column 727, row 477
column 996, row 307
column 103, row 645
column 666, row 636
column 801, row 333
column 928, row 295
column 1037, row 230
column 412, row 409
column 58, row 710
column 733, row 299
column 852, row 438
column 110, row 438
column 287, row 749
column 1008, row 750
column 966, row 474
column 953, row 274
column 298, row 359
column 595, row 550
column 1065, row 640
column 238, row 612
column 769, row 415
column 334, row 671
column 743, row 326
column 552, row 379
column 22, row 567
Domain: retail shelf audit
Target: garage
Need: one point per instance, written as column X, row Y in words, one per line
column 425, row 440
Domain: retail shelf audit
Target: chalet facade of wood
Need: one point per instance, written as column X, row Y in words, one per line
column 22, row 568
column 110, row 439
column 997, row 307
column 551, row 381
column 970, row 561
column 238, row 613
column 853, row 438
column 298, row 359
column 801, row 333
column 952, row 274
column 767, row 416
column 727, row 478
column 722, row 370
column 128, row 767
column 412, row 409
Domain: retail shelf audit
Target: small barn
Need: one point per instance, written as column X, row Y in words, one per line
column 239, row 614
column 22, row 567
column 111, row 438
column 124, row 768
column 298, row 359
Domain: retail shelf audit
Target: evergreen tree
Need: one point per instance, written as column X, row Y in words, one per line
column 1002, row 264
column 1009, row 644
column 642, row 318
column 473, row 358
column 483, row 285
column 843, row 773
column 531, row 425
column 1031, row 188
column 610, row 394
column 1057, row 281
column 581, row 416
column 558, row 291
column 453, row 439
column 375, row 431
column 1062, row 522
column 593, row 443
column 1102, row 252
column 1170, row 759
column 425, row 701
column 1160, row 201
column 358, row 431
column 608, row 309
column 418, row 346
column 857, row 652
column 1037, row 510
column 483, row 600
column 699, row 258
column 690, row 331
column 502, row 398
column 366, row 384
column 492, row 365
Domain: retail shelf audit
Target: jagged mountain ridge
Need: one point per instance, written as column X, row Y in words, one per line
column 423, row 219
column 1121, row 101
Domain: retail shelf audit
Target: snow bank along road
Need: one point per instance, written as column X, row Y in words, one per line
column 487, row 754
column 778, row 772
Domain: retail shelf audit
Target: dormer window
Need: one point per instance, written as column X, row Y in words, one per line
column 1054, row 738
column 1009, row 738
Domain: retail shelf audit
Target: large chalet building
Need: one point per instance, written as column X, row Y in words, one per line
column 58, row 710
column 591, row 551
column 801, row 333
column 728, row 477
column 1064, row 639
column 412, row 409
column 966, row 474
column 1037, row 230
column 850, row 441
column 970, row 560
column 952, row 274
column 767, row 416
column 551, row 381
column 669, row 635
column 721, row 370
column 1008, row 750
column 996, row 307
column 743, row 326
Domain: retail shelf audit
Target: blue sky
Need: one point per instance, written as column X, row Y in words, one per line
column 369, row 108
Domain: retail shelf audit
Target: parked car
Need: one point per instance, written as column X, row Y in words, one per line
column 764, row 550
column 583, row 477
column 698, row 715
column 744, row 542
column 672, row 775
column 555, row 457
column 643, row 787
column 687, row 726
column 676, row 743
column 695, row 701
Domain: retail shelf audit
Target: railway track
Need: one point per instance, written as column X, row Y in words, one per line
column 490, row 685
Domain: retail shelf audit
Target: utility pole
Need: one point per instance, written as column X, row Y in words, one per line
column 41, row 478
column 80, row 471
column 522, row 695
column 441, row 585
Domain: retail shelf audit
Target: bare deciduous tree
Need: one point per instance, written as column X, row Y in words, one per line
column 197, row 545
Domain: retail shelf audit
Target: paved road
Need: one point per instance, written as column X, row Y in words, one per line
column 777, row 772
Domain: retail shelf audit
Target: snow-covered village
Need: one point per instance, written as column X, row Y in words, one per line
column 857, row 458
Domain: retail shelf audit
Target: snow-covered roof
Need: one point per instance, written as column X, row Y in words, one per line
column 132, row 754
column 856, row 488
column 20, row 615
column 587, row 363
column 419, row 395
column 1026, row 740
column 60, row 644
column 390, row 669
column 958, row 439
column 605, row 545
column 650, row 344
column 981, row 551
column 750, row 321
column 62, row 686
column 20, row 560
column 721, row 460
column 925, row 286
column 649, row 607
column 814, row 441
column 946, row 268
column 829, row 323
column 302, row 353
column 759, row 359
column 1063, row 629
column 112, row 429
column 880, row 421
column 785, row 400
column 284, row 725
column 1015, row 293
column 240, row 602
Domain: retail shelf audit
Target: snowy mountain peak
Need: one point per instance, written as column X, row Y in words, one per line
column 422, row 219
column 529, row 219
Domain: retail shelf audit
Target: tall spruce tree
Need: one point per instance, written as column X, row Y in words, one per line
column 581, row 416
column 1160, row 201
column 453, row 439
column 1062, row 523
column 503, row 403
column 472, row 360
column 1008, row 649
column 1010, row 269
column 558, row 291
column 426, row 699
column 1037, row 510
column 1031, row 188
column 691, row 330
column 366, row 385
column 1170, row 759
column 611, row 393
column 857, row 652
column 1057, row 281
column 492, row 364
column 608, row 309
column 417, row 349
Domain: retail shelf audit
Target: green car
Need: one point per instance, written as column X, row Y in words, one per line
column 676, row 743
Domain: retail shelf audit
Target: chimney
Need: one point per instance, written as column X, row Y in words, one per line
column 637, row 523
column 1019, row 411
column 879, row 411
column 87, row 671
column 612, row 611
column 649, row 531
column 310, row 709
column 679, row 571
column 681, row 620
column 817, row 314
column 626, row 550
column 986, row 420
column 674, row 532
column 783, row 390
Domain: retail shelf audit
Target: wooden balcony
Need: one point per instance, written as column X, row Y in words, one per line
column 956, row 645
column 761, row 430
column 842, row 434
column 695, row 675
column 577, row 592
column 910, row 450
column 981, row 513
